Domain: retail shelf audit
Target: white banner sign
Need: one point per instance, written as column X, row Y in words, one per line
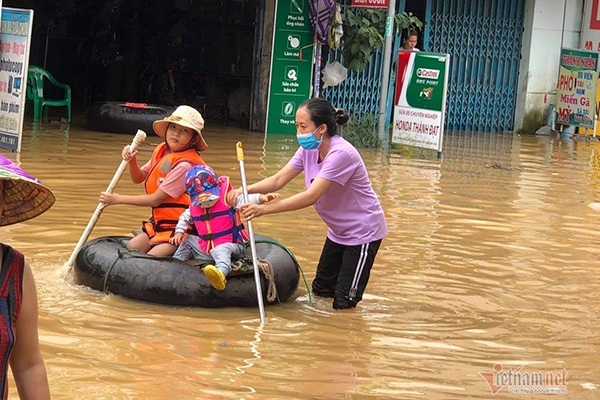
column 15, row 41
column 420, row 99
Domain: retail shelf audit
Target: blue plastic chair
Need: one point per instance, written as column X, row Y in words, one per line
column 35, row 92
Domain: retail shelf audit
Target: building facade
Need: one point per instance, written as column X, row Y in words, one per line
column 504, row 58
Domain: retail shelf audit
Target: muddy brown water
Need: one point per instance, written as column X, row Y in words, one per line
column 492, row 259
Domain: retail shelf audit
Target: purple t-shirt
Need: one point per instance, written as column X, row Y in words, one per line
column 349, row 207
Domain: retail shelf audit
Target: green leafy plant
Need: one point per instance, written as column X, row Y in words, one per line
column 532, row 121
column 361, row 131
column 363, row 33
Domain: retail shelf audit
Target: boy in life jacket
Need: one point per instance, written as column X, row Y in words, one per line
column 213, row 211
column 164, row 179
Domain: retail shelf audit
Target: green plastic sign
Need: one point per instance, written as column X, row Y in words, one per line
column 291, row 65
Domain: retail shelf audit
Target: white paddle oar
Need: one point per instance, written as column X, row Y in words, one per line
column 261, row 307
column 139, row 138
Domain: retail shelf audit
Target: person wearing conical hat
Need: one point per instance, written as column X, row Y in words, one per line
column 22, row 197
column 164, row 179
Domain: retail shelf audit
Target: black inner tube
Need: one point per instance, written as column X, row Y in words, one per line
column 119, row 117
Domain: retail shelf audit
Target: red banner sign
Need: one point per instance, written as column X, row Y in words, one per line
column 370, row 3
column 594, row 17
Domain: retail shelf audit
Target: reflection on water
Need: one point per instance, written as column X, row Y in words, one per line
column 490, row 259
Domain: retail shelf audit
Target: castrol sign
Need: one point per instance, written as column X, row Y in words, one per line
column 428, row 73
column 420, row 99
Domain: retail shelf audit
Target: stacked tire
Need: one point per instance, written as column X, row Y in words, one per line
column 120, row 117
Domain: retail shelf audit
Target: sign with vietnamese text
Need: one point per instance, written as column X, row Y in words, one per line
column 370, row 3
column 291, row 65
column 15, row 40
column 576, row 91
column 420, row 99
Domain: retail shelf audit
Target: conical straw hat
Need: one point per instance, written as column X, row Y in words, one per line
column 24, row 196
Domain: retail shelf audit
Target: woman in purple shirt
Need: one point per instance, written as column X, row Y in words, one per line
column 338, row 185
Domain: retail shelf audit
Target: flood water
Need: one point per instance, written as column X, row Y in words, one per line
column 492, row 258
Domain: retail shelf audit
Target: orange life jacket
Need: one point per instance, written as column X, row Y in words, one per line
column 165, row 216
column 220, row 223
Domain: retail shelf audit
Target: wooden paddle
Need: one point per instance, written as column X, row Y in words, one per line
column 261, row 307
column 139, row 138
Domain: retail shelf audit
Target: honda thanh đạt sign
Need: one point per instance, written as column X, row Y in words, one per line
column 420, row 99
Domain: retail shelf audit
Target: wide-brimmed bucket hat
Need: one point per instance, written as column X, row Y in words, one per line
column 25, row 197
column 185, row 116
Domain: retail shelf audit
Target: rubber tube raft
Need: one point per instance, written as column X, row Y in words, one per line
column 121, row 117
column 106, row 264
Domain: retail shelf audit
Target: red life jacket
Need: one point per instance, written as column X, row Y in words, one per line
column 165, row 216
column 220, row 223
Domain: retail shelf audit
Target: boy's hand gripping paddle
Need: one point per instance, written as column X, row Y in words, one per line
column 139, row 138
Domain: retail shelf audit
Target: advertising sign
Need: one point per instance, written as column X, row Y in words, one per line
column 15, row 39
column 291, row 65
column 420, row 99
column 590, row 32
column 577, row 84
column 370, row 3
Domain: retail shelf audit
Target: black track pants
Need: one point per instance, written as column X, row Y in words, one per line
column 343, row 272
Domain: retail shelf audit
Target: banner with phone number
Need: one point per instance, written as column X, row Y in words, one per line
column 15, row 40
